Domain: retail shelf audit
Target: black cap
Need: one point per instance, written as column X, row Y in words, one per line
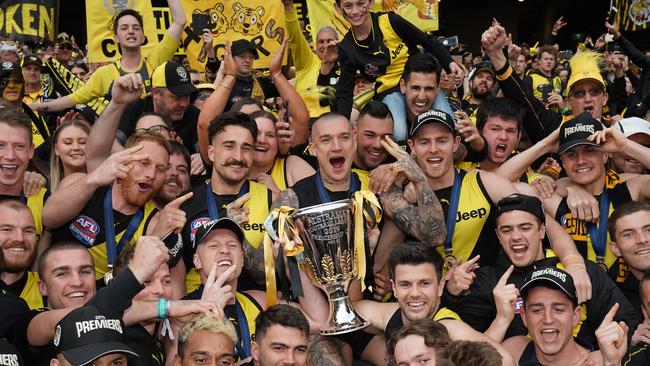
column 575, row 132
column 222, row 223
column 32, row 59
column 85, row 334
column 7, row 67
column 63, row 37
column 552, row 276
column 173, row 76
column 242, row 45
column 521, row 202
column 9, row 355
column 432, row 116
column 485, row 65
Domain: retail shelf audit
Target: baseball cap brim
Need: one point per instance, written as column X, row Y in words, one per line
column 88, row 353
column 222, row 223
column 555, row 284
column 182, row 90
column 575, row 143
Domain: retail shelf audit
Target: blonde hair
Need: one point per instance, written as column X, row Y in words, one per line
column 56, row 167
column 210, row 324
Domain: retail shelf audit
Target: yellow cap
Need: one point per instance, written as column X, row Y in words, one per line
column 585, row 65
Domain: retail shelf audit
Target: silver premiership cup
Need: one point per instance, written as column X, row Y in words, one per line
column 329, row 258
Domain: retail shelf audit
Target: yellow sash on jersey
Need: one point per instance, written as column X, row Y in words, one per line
column 35, row 204
column 278, row 173
column 30, row 292
column 444, row 313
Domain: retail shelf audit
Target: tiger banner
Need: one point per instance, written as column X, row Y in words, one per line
column 99, row 27
column 261, row 22
column 422, row 13
column 632, row 15
column 28, row 20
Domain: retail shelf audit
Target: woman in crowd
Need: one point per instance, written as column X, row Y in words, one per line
column 69, row 143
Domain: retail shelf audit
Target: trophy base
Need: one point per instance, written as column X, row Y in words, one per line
column 343, row 318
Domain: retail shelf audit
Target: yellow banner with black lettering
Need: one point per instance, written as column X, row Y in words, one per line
column 422, row 13
column 163, row 18
column 633, row 15
column 99, row 26
column 28, row 20
column 261, row 22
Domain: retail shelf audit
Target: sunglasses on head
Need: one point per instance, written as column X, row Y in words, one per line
column 154, row 129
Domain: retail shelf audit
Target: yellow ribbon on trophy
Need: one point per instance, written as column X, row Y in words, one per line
column 293, row 246
column 361, row 215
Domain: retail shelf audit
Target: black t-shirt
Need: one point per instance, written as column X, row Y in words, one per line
column 149, row 349
column 243, row 88
column 12, row 308
column 185, row 128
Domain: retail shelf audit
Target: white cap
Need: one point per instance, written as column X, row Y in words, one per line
column 633, row 125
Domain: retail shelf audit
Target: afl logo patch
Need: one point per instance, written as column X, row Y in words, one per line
column 85, row 229
column 196, row 224
column 563, row 221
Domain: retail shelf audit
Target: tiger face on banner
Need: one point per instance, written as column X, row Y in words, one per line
column 229, row 20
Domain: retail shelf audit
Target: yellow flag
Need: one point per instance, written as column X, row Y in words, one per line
column 422, row 13
column 261, row 22
column 99, row 25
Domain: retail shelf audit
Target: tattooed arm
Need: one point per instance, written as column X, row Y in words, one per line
column 288, row 198
column 254, row 262
column 425, row 220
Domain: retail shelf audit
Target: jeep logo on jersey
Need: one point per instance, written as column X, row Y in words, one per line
column 254, row 226
column 84, row 229
column 473, row 214
column 196, row 224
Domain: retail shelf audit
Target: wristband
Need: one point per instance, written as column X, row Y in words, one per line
column 168, row 308
column 162, row 308
column 276, row 75
column 225, row 86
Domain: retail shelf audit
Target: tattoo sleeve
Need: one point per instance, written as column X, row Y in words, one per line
column 287, row 198
column 424, row 221
column 254, row 262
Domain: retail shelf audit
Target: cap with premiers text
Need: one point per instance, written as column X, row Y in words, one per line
column 550, row 276
column 173, row 76
column 576, row 131
column 85, row 334
column 9, row 355
column 433, row 116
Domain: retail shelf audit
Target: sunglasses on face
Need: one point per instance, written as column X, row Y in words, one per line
column 65, row 46
column 154, row 129
column 582, row 93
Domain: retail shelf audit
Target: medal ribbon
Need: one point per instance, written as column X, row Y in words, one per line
column 213, row 211
column 322, row 192
column 452, row 212
column 243, row 347
column 598, row 234
column 113, row 250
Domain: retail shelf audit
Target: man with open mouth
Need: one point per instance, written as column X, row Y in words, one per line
column 584, row 145
column 491, row 302
column 218, row 256
column 550, row 311
column 129, row 37
column 112, row 204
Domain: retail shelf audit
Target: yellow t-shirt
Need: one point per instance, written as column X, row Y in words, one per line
column 100, row 81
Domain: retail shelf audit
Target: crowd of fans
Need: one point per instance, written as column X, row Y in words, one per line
column 513, row 225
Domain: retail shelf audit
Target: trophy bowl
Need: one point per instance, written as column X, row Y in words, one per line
column 329, row 258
